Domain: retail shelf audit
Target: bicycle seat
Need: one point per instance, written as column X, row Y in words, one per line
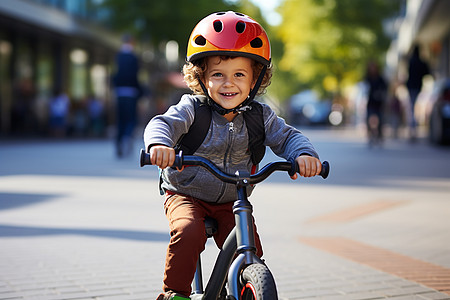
column 210, row 226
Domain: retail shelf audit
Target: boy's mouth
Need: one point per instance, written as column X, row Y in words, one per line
column 228, row 94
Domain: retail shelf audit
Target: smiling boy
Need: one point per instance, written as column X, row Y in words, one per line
column 228, row 64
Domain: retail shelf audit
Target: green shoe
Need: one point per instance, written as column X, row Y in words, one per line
column 178, row 297
column 171, row 296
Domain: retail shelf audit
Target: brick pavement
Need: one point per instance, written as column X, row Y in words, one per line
column 427, row 274
column 104, row 237
column 321, row 271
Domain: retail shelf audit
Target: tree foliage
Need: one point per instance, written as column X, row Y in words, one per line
column 320, row 44
column 327, row 43
column 157, row 21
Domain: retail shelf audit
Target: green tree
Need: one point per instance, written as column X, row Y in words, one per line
column 327, row 43
column 160, row 21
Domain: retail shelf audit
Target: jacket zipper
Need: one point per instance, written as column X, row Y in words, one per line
column 230, row 140
column 231, row 127
column 225, row 159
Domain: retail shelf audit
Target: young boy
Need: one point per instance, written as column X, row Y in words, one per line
column 228, row 63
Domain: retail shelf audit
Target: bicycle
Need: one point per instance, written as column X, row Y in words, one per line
column 238, row 273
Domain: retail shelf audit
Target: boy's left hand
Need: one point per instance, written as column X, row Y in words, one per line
column 308, row 166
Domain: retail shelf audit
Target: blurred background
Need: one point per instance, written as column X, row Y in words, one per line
column 78, row 223
column 66, row 49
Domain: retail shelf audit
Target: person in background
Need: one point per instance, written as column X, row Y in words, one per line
column 128, row 91
column 95, row 109
column 58, row 112
column 395, row 109
column 417, row 69
column 376, row 98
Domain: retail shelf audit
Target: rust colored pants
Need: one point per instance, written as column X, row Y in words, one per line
column 187, row 237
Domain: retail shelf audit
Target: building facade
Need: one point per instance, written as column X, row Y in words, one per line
column 49, row 47
column 426, row 23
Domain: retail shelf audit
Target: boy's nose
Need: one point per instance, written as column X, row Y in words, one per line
column 228, row 81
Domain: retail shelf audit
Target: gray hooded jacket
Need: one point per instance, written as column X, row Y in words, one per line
column 226, row 145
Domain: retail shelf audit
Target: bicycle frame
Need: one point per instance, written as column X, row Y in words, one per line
column 241, row 241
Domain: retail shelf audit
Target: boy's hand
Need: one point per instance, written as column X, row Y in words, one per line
column 308, row 166
column 162, row 156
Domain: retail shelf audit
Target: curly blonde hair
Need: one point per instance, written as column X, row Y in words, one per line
column 192, row 71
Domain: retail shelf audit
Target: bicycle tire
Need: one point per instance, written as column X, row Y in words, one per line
column 258, row 284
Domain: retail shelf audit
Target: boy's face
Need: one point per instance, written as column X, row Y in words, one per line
column 229, row 80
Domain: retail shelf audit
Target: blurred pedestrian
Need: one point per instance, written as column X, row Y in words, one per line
column 395, row 110
column 79, row 121
column 96, row 115
column 23, row 118
column 58, row 112
column 376, row 98
column 417, row 69
column 128, row 91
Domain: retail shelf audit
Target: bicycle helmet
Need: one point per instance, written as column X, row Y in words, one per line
column 232, row 34
column 229, row 33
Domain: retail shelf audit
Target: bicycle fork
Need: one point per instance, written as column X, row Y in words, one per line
column 245, row 238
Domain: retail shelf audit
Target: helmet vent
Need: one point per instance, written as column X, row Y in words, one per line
column 218, row 26
column 256, row 43
column 240, row 27
column 200, row 41
column 239, row 14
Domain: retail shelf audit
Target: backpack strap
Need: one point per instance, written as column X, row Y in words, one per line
column 254, row 120
column 190, row 141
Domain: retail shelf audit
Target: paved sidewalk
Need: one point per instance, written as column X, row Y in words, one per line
column 376, row 256
column 75, row 223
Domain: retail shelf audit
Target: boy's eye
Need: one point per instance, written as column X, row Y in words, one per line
column 217, row 74
column 239, row 74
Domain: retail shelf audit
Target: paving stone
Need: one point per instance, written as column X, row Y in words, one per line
column 105, row 237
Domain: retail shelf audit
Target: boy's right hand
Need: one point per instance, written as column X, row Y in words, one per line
column 162, row 156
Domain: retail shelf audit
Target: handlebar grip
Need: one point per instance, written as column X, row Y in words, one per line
column 324, row 172
column 144, row 158
column 178, row 163
column 325, row 169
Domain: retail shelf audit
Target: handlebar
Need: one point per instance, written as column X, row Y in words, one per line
column 192, row 160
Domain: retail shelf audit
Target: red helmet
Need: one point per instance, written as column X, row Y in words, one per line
column 229, row 33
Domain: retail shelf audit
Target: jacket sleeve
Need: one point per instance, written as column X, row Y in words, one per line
column 285, row 140
column 167, row 129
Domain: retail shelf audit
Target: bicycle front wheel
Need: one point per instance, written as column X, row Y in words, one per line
column 258, row 283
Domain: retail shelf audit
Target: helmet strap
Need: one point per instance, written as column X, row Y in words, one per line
column 241, row 107
column 257, row 84
column 218, row 108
